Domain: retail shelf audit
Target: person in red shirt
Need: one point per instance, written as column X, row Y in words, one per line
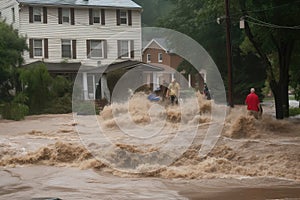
column 252, row 102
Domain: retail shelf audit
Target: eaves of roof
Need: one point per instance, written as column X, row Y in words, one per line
column 128, row 4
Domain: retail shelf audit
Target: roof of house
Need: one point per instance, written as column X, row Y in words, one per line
column 58, row 67
column 161, row 42
column 89, row 3
column 127, row 65
column 77, row 67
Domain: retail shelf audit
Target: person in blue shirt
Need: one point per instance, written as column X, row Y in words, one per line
column 154, row 95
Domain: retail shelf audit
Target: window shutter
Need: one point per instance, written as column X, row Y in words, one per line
column 31, row 48
column 118, row 18
column 72, row 17
column 45, row 15
column 59, row 15
column 88, row 48
column 119, row 49
column 105, row 48
column 30, row 14
column 91, row 16
column 46, row 48
column 74, row 49
column 131, row 49
column 102, row 17
column 129, row 18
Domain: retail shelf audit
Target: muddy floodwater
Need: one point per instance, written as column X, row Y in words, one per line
column 64, row 156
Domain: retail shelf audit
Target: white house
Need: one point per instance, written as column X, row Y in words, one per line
column 87, row 33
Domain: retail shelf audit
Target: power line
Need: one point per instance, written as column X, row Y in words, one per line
column 267, row 24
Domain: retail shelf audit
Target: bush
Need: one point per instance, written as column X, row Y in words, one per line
column 294, row 111
column 14, row 111
column 60, row 105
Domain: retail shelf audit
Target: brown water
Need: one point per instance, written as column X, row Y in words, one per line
column 43, row 156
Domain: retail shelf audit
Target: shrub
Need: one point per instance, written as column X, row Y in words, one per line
column 60, row 105
column 294, row 111
column 14, row 111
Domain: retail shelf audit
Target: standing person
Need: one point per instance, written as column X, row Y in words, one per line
column 173, row 91
column 253, row 105
column 206, row 92
column 164, row 89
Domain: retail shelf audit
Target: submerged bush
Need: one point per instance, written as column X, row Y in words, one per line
column 14, row 111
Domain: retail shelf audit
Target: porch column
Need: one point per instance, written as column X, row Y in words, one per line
column 85, row 86
column 104, row 88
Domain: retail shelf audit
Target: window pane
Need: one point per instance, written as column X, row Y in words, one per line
column 160, row 57
column 96, row 48
column 96, row 16
column 65, row 15
column 37, row 14
column 124, row 48
column 66, row 48
column 148, row 57
column 123, row 17
column 38, row 47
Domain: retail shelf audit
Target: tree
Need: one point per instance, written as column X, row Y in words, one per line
column 198, row 19
column 295, row 73
column 271, row 28
column 154, row 10
column 37, row 85
column 11, row 48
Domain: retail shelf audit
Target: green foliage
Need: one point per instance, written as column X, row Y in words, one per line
column 295, row 72
column 294, row 111
column 37, row 83
column 11, row 48
column 46, row 94
column 154, row 10
column 113, row 77
column 60, row 105
column 198, row 19
column 14, row 111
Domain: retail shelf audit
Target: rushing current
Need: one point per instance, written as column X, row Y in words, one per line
column 51, row 156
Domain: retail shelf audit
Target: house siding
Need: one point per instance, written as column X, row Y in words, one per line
column 81, row 31
column 6, row 12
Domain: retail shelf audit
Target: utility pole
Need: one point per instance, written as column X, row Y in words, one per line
column 229, row 56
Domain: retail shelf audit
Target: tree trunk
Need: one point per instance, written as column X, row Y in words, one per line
column 284, row 55
column 276, row 89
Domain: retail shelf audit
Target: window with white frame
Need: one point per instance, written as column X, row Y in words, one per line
column 66, row 49
column 37, row 14
column 96, row 48
column 37, row 47
column 123, row 16
column 66, row 15
column 160, row 57
column 125, row 48
column 96, row 16
column 148, row 58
